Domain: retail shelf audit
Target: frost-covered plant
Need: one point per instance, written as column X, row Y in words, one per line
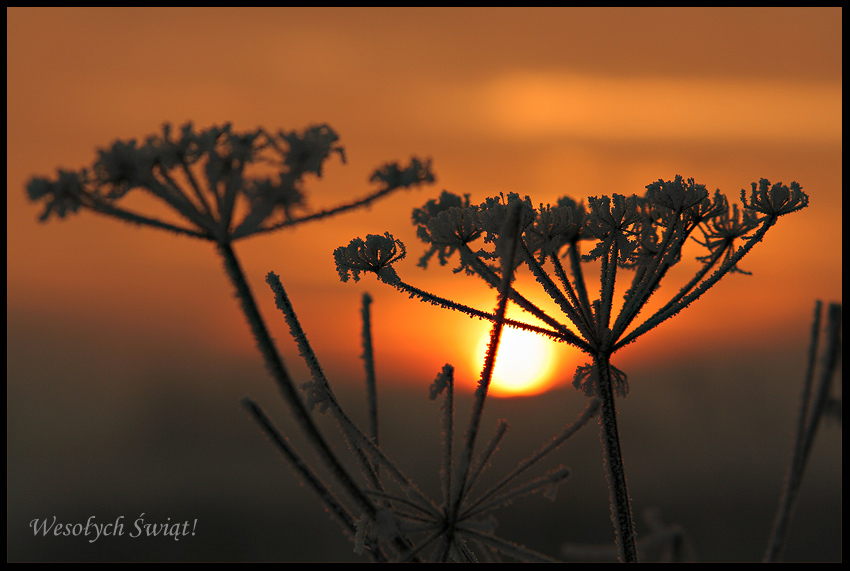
column 645, row 234
column 404, row 524
column 204, row 178
column 226, row 186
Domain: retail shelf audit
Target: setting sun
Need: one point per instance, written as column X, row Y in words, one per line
column 523, row 363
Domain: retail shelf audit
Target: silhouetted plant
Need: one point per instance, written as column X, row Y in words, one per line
column 408, row 523
column 645, row 234
column 226, row 186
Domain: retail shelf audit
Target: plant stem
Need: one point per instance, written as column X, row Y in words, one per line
column 328, row 212
column 284, row 382
column 369, row 364
column 621, row 511
column 494, row 280
column 811, row 413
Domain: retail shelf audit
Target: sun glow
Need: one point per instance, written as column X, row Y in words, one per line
column 523, row 363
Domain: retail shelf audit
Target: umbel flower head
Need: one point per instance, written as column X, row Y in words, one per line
column 375, row 254
column 61, row 195
column 225, row 184
column 448, row 224
column 642, row 233
column 776, row 200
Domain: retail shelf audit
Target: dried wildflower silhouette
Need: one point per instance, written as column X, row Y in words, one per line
column 211, row 177
column 205, row 177
column 226, row 186
column 404, row 524
column 645, row 234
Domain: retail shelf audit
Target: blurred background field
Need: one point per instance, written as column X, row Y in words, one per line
column 707, row 446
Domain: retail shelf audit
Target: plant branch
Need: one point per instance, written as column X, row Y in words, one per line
column 366, row 200
column 564, row 335
column 578, row 274
column 484, row 271
column 664, row 314
column 335, row 507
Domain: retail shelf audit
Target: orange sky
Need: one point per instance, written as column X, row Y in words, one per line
column 539, row 102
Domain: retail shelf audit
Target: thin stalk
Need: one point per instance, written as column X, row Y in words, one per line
column 549, row 480
column 710, row 263
column 608, row 277
column 568, row 287
column 508, row 547
column 290, row 392
column 232, row 186
column 322, row 213
column 484, row 457
column 621, row 511
column 578, row 275
column 99, row 205
column 448, row 436
column 195, row 186
column 462, row 484
column 334, row 506
column 359, row 441
column 583, row 418
column 555, row 293
column 172, row 184
column 811, row 412
column 369, row 364
column 641, row 290
column 418, row 549
column 325, row 396
column 179, row 202
column 508, row 245
column 563, row 334
column 827, row 370
column 284, row 382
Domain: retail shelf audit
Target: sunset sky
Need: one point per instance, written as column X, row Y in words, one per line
column 541, row 102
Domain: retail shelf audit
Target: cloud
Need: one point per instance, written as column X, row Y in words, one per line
column 532, row 105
